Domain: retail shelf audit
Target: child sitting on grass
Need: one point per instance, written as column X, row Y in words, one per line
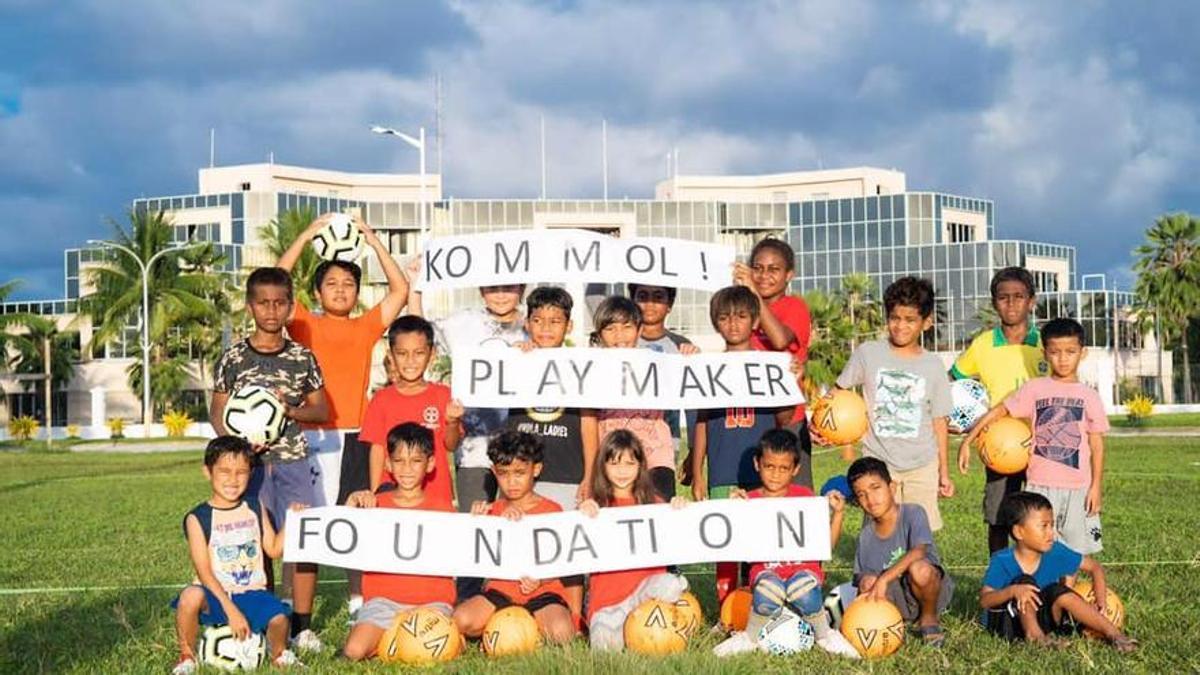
column 227, row 536
column 896, row 559
column 1023, row 594
column 410, row 461
column 787, row 586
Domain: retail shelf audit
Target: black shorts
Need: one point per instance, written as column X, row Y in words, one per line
column 500, row 600
column 1005, row 622
column 356, row 467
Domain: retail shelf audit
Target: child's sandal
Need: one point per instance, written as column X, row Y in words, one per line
column 932, row 636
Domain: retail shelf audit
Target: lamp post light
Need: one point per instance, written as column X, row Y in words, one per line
column 419, row 144
column 145, row 268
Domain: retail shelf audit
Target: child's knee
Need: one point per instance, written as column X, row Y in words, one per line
column 469, row 622
column 191, row 600
column 921, row 573
column 804, row 594
column 355, row 651
column 769, row 595
column 560, row 631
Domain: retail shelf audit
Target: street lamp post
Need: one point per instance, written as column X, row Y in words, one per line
column 419, row 144
column 145, row 268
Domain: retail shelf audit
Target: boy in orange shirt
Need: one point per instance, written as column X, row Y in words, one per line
column 516, row 461
column 386, row 595
column 412, row 398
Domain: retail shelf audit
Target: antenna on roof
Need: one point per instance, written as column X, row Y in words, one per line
column 212, row 146
column 604, row 153
column 542, row 125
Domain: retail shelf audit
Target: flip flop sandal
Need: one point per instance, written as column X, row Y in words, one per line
column 932, row 636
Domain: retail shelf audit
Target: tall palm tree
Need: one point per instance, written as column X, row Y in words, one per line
column 1168, row 269
column 279, row 234
column 829, row 348
column 29, row 355
column 180, row 291
column 863, row 306
column 7, row 321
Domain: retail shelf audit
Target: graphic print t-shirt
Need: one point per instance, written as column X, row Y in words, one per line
column 903, row 394
column 234, row 538
column 1063, row 415
column 562, row 440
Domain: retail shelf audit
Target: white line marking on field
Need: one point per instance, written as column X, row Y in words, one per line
column 159, row 587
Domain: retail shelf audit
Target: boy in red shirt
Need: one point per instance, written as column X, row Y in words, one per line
column 784, row 324
column 385, row 595
column 516, row 462
column 793, row 586
column 411, row 398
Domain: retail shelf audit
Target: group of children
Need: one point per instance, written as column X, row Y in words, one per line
column 392, row 452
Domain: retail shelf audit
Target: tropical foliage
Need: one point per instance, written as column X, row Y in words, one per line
column 278, row 236
column 840, row 320
column 1168, row 282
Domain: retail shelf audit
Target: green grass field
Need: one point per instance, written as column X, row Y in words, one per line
column 109, row 526
column 1165, row 420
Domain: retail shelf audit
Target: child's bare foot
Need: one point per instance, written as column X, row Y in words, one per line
column 1124, row 644
column 1048, row 642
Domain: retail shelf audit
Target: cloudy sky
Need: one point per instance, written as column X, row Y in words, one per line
column 1078, row 118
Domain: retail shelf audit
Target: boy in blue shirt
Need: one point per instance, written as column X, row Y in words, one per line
column 1024, row 595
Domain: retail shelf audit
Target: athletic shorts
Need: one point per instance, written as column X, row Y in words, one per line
column 901, row 594
column 1006, row 623
column 500, row 600
column 259, row 607
column 920, row 486
column 286, row 483
column 381, row 612
column 1078, row 530
column 997, row 487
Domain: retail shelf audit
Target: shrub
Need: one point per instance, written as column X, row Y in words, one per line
column 73, row 431
column 1139, row 409
column 23, row 428
column 116, row 428
column 176, row 423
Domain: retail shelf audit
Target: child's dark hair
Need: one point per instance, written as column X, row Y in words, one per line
column 632, row 290
column 731, row 299
column 411, row 435
column 909, row 292
column 549, row 296
column 867, row 466
column 613, row 309
column 508, row 446
column 227, row 445
column 1017, row 506
column 778, row 246
column 1012, row 274
column 1063, row 328
column 268, row 276
column 779, row 441
column 410, row 323
column 350, row 268
column 615, row 444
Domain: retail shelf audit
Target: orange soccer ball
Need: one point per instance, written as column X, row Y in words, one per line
column 420, row 636
column 512, row 630
column 690, row 612
column 1114, row 609
column 840, row 417
column 656, row 628
column 1005, row 445
column 874, row 627
column 735, row 609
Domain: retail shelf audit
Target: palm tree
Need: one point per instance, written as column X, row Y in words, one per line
column 828, row 350
column 29, row 348
column 181, row 292
column 7, row 321
column 862, row 303
column 279, row 234
column 1168, row 269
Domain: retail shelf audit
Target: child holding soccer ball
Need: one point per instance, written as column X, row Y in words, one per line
column 622, row 478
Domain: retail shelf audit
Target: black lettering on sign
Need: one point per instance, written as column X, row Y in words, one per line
column 522, row 257
column 593, row 251
column 580, row 375
column 580, row 542
column 649, row 381
column 775, row 376
column 539, row 534
column 629, row 523
column 464, row 258
column 689, row 380
column 752, row 378
column 481, row 370
column 714, row 379
column 481, row 542
column 329, row 535
column 304, row 531
column 431, row 259
column 416, row 549
column 797, row 532
column 725, row 524
column 551, row 368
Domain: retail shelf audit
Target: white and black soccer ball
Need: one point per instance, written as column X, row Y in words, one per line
column 969, row 403
column 787, row 634
column 218, row 648
column 255, row 414
column 340, row 239
column 837, row 601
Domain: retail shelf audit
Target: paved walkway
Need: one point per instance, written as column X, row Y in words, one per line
column 165, row 445
column 1157, row 432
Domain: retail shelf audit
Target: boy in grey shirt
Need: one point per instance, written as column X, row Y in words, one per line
column 908, row 398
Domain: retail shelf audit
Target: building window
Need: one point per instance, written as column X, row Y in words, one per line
column 245, row 187
column 960, row 233
column 1046, row 282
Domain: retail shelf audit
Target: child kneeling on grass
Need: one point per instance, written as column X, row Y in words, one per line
column 621, row 477
column 410, row 461
column 1023, row 594
column 516, row 462
column 896, row 558
column 227, row 536
column 787, row 586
